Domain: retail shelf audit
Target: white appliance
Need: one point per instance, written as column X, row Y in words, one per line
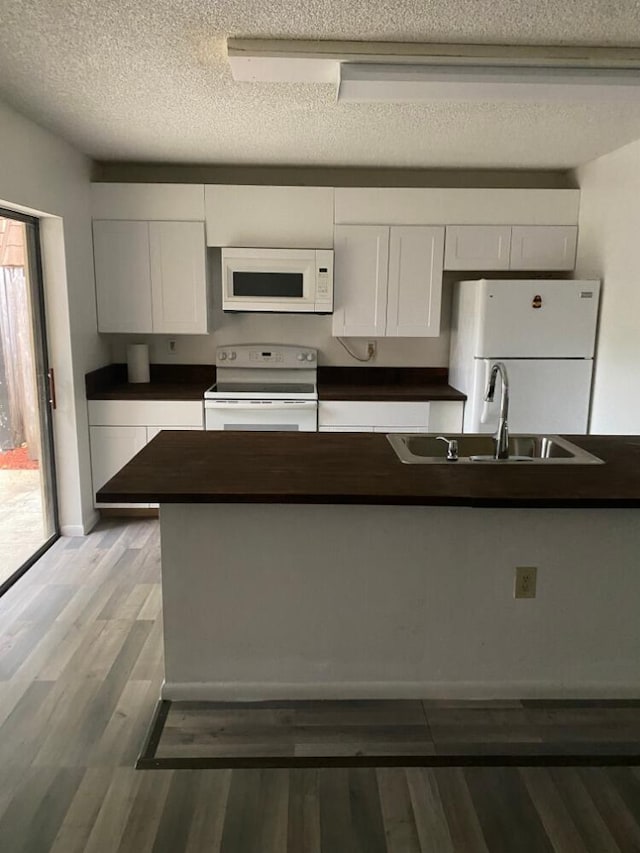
column 544, row 331
column 263, row 387
column 277, row 280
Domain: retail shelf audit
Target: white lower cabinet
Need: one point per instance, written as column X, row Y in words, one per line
column 379, row 416
column 118, row 429
column 111, row 448
column 372, row 416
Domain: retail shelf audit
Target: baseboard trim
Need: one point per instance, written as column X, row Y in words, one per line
column 83, row 529
column 261, row 691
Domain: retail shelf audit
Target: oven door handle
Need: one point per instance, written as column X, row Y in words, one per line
column 272, row 405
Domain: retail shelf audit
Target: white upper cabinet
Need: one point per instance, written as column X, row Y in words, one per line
column 123, row 276
column 148, row 202
column 387, row 281
column 477, row 247
column 150, row 276
column 269, row 217
column 361, row 278
column 543, row 247
column 506, row 247
column 455, row 206
column 415, row 281
column 178, row 277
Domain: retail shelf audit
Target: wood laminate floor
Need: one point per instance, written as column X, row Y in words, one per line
column 80, row 671
column 207, row 734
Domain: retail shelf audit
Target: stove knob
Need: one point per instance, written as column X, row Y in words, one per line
column 301, row 356
column 232, row 356
column 310, row 356
column 222, row 356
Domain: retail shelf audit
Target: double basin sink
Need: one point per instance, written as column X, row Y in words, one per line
column 417, row 449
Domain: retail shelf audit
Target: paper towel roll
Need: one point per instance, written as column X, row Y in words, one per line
column 138, row 362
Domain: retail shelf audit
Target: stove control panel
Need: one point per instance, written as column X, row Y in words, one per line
column 266, row 355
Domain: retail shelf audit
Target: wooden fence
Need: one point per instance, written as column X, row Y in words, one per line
column 19, row 419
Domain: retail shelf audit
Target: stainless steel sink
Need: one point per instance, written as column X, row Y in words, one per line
column 419, row 449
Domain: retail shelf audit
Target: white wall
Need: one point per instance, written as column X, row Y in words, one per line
column 40, row 173
column 397, row 601
column 312, row 331
column 609, row 248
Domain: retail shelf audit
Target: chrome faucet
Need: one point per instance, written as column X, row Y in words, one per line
column 502, row 433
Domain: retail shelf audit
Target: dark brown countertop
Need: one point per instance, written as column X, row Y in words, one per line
column 393, row 384
column 329, row 468
column 168, row 382
column 190, row 381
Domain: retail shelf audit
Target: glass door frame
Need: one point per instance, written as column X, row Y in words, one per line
column 44, row 383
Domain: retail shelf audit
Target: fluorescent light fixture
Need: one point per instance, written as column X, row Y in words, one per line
column 366, row 82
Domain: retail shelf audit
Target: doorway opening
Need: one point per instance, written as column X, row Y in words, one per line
column 28, row 507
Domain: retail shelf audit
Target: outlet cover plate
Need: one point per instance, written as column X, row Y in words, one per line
column 526, row 581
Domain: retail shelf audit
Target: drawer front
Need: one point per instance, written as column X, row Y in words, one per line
column 347, row 413
column 163, row 413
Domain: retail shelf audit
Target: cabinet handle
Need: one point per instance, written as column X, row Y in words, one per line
column 52, row 388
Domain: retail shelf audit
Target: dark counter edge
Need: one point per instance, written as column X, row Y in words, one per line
column 372, row 500
column 190, row 381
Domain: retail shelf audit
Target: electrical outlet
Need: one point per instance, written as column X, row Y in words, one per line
column 525, row 584
column 372, row 349
column 172, row 347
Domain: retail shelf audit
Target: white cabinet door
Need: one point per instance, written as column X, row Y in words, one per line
column 543, row 247
column 361, row 275
column 111, row 448
column 372, row 415
column 123, row 276
column 150, row 276
column 415, row 281
column 177, row 202
column 269, row 217
column 477, row 247
column 178, row 277
column 446, row 416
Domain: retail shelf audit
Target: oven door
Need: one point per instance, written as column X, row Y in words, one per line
column 261, row 415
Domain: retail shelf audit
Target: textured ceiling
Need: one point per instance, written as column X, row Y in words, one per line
column 148, row 80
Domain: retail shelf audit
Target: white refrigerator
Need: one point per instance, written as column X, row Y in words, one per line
column 544, row 331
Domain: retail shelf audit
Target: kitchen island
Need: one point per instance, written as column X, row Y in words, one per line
column 318, row 565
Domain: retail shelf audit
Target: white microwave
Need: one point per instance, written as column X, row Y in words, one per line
column 278, row 280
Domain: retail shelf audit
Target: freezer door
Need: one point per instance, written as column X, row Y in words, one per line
column 546, row 396
column 538, row 319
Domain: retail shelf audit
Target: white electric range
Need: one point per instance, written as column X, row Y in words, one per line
column 263, row 387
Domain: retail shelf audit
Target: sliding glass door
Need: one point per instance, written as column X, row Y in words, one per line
column 28, row 509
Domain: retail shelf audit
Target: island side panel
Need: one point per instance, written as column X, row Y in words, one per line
column 299, row 601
